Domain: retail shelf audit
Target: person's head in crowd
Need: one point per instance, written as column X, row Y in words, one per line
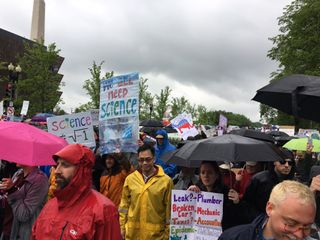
column 74, row 164
column 291, row 211
column 209, row 175
column 225, row 167
column 111, row 162
column 146, row 159
column 162, row 138
column 186, row 171
column 299, row 155
column 252, row 167
column 285, row 164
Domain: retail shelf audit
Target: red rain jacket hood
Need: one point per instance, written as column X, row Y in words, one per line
column 81, row 183
column 77, row 211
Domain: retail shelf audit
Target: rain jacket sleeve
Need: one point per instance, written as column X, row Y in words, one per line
column 169, row 168
column 124, row 205
column 108, row 229
column 24, row 208
column 167, row 200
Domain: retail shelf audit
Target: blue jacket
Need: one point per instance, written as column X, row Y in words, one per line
column 169, row 168
column 252, row 231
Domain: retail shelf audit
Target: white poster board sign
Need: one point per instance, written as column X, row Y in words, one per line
column 184, row 125
column 196, row 215
column 119, row 114
column 95, row 116
column 24, row 109
column 75, row 128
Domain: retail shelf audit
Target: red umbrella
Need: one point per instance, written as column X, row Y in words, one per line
column 27, row 145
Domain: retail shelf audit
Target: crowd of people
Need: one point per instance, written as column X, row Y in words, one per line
column 89, row 195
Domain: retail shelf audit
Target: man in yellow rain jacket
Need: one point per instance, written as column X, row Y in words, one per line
column 146, row 198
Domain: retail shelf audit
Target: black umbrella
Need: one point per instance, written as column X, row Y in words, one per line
column 225, row 148
column 278, row 134
column 296, row 95
column 250, row 133
column 151, row 123
column 170, row 129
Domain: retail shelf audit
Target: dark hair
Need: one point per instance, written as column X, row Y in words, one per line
column 215, row 166
column 284, row 153
column 146, row 147
column 116, row 168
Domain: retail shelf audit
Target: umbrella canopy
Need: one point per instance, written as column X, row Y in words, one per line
column 278, row 134
column 27, row 145
column 296, row 95
column 225, row 148
column 300, row 144
column 253, row 134
column 151, row 123
column 41, row 117
column 170, row 129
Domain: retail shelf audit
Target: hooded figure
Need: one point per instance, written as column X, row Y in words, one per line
column 76, row 211
column 163, row 146
column 113, row 177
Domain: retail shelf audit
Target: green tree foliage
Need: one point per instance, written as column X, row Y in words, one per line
column 296, row 49
column 145, row 100
column 180, row 105
column 40, row 81
column 92, row 87
column 162, row 102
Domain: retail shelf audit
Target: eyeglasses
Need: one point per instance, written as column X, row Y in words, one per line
column 310, row 231
column 283, row 162
column 147, row 159
column 293, row 228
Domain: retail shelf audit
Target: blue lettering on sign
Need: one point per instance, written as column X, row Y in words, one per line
column 119, row 108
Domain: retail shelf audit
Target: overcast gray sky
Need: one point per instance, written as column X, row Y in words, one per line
column 211, row 51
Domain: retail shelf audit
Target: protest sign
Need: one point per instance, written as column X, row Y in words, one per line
column 119, row 114
column 195, row 215
column 223, row 122
column 10, row 113
column 75, row 128
column 1, row 108
column 184, row 125
column 24, row 109
column 95, row 116
column 312, row 133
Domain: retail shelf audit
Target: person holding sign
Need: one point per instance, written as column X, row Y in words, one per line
column 113, row 177
column 146, row 199
column 290, row 213
column 211, row 181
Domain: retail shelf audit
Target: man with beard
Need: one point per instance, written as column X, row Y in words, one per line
column 76, row 211
column 146, row 197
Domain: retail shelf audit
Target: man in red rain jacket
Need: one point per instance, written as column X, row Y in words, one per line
column 76, row 211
